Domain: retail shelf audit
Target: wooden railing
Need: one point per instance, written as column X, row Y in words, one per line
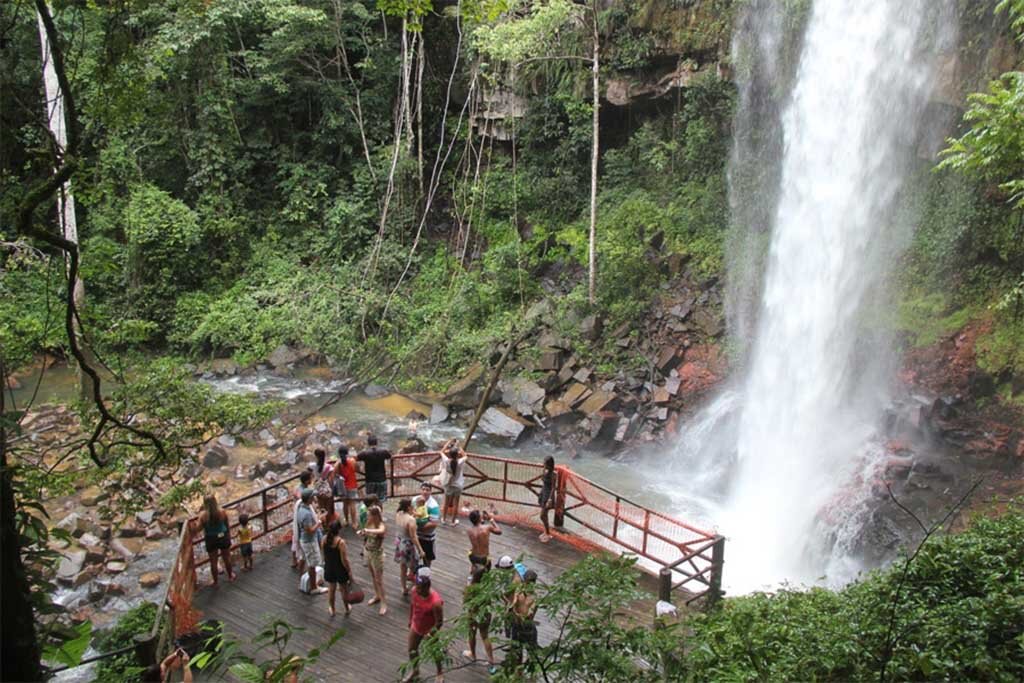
column 687, row 559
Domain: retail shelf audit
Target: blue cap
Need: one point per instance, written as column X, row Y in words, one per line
column 520, row 569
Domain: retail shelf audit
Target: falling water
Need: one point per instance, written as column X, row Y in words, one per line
column 792, row 438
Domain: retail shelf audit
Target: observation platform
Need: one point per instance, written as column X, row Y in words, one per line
column 682, row 563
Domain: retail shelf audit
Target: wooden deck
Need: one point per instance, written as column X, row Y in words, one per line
column 374, row 647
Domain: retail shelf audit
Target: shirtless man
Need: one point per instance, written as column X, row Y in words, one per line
column 482, row 525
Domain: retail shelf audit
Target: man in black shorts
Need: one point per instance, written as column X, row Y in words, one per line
column 374, row 461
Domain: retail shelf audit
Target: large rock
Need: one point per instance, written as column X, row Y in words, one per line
column 127, row 548
column 224, row 366
column 282, row 356
column 597, row 402
column 522, row 395
column 438, row 413
column 77, row 525
column 215, row 456
column 375, row 390
column 71, row 563
column 550, row 359
column 668, row 360
column 465, row 393
column 93, row 496
column 150, row 579
column 576, row 394
column 591, row 327
column 227, row 441
column 503, row 423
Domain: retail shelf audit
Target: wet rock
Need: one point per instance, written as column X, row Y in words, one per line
column 94, row 554
column 282, row 356
column 416, row 415
column 266, row 435
column 88, row 539
column 522, row 395
column 557, row 381
column 155, row 534
column 131, row 532
column 438, row 414
column 116, row 566
column 661, row 395
column 413, row 445
column 215, row 456
column 556, row 409
column 583, row 375
column 227, row 440
column 71, row 564
column 128, row 548
column 603, row 426
column 77, row 525
column 591, row 327
column 150, row 579
column 672, row 385
column 661, row 414
column 375, row 390
column 502, row 423
column 82, row 615
column 681, row 311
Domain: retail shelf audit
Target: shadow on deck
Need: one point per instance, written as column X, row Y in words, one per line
column 374, row 647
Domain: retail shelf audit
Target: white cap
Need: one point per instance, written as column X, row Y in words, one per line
column 505, row 562
column 422, row 573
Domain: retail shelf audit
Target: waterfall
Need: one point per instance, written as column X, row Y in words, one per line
column 788, row 458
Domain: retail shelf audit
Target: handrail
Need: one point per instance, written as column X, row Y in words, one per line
column 593, row 514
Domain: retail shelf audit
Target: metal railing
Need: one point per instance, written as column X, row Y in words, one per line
column 686, row 558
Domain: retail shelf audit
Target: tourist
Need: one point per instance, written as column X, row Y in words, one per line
column 375, row 472
column 372, row 531
column 159, row 673
column 482, row 525
column 428, row 516
column 308, row 534
column 245, row 541
column 407, row 543
column 305, row 479
column 546, row 497
column 426, row 615
column 216, row 535
column 346, row 486
column 453, row 479
column 479, row 619
column 364, row 513
column 323, row 472
column 522, row 626
column 337, row 570
column 325, row 502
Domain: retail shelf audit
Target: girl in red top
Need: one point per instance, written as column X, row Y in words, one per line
column 426, row 615
column 347, row 487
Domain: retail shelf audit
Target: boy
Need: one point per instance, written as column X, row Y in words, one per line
column 245, row 541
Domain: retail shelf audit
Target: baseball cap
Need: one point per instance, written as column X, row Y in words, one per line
column 422, row 574
column 520, row 569
column 505, row 562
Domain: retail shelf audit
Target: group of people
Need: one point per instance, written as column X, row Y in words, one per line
column 328, row 501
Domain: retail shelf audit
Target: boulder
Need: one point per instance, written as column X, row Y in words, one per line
column 556, row 409
column 227, row 441
column 116, row 566
column 150, row 579
column 591, row 327
column 412, row 445
column 282, row 356
column 553, row 341
column 583, row 375
column 145, row 517
column 667, row 360
column 224, row 366
column 709, row 323
column 266, row 435
column 71, row 564
column 550, row 359
column 465, row 392
column 661, row 395
column 289, row 459
column 85, row 576
column 576, row 394
column 131, row 532
column 603, row 427
column 522, row 395
column 503, row 423
column 215, row 456
column 77, row 525
column 681, row 311
column 375, row 390
column 155, row 533
column 597, row 402
column 94, row 554
column 93, row 496
column 88, row 539
column 672, row 385
column 416, row 416
column 438, row 413
column 559, row 380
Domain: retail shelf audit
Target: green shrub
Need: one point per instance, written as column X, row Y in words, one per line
column 123, row 667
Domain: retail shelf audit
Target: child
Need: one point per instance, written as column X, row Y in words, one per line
column 364, row 510
column 245, row 541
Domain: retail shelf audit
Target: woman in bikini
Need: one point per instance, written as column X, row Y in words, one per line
column 373, row 538
column 337, row 570
column 407, row 544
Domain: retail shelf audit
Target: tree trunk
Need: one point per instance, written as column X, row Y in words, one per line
column 19, row 655
column 65, row 200
column 419, row 109
column 594, row 152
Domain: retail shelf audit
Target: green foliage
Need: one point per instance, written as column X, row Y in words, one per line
column 927, row 318
column 123, row 667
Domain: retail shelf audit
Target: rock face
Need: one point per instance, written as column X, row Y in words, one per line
column 502, row 423
column 438, row 414
column 465, row 393
column 522, row 395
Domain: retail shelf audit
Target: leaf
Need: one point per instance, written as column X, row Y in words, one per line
column 247, row 671
column 69, row 653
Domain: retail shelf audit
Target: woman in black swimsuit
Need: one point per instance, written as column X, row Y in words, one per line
column 337, row 570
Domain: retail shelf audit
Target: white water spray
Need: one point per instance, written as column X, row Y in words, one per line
column 811, row 397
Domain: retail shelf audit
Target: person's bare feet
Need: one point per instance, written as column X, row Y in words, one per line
column 545, row 538
column 372, row 601
column 411, row 676
column 469, row 655
column 330, row 610
column 383, row 609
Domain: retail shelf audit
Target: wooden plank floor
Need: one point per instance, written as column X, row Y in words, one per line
column 374, row 647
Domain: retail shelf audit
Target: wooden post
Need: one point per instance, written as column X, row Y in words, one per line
column 665, row 585
column 717, row 561
column 561, row 481
column 391, row 478
column 145, row 649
